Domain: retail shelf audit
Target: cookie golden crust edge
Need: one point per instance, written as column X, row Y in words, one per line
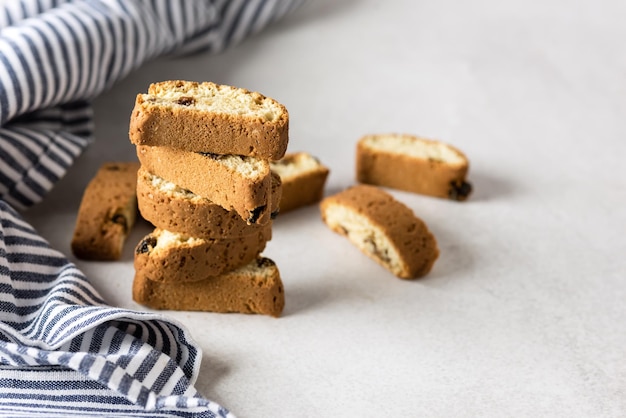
column 413, row 164
column 383, row 228
column 107, row 212
column 255, row 288
column 211, row 118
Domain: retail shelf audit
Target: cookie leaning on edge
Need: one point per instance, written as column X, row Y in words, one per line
column 383, row 228
column 170, row 207
column 234, row 182
column 107, row 212
column 208, row 117
column 303, row 177
column 254, row 288
column 413, row 164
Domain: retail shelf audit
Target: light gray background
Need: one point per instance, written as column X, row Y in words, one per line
column 524, row 312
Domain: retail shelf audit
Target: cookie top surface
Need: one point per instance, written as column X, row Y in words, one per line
column 214, row 98
column 416, row 147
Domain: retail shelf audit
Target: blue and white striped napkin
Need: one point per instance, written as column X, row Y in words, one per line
column 63, row 351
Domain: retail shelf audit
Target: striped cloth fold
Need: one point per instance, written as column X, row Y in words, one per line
column 63, row 350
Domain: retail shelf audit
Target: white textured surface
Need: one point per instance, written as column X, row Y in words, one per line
column 524, row 314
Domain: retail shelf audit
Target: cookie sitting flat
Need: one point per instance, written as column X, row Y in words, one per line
column 383, row 228
column 303, row 177
column 211, row 118
column 107, row 212
column 255, row 288
column 413, row 164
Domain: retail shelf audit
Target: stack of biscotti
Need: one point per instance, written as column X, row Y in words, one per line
column 205, row 184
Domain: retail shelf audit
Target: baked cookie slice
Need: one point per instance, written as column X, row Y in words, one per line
column 255, row 288
column 170, row 207
column 167, row 256
column 107, row 212
column 413, row 164
column 234, row 182
column 211, row 118
column 383, row 228
column 303, row 177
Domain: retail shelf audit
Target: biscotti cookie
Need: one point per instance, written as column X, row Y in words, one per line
column 242, row 184
column 107, row 212
column 383, row 228
column 255, row 288
column 303, row 178
column 211, row 118
column 172, row 257
column 413, row 164
column 170, row 207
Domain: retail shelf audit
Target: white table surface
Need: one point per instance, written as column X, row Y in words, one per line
column 524, row 313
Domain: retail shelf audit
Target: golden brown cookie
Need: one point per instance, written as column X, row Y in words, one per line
column 255, row 288
column 211, row 118
column 303, row 177
column 413, row 164
column 383, row 228
column 107, row 212
column 242, row 184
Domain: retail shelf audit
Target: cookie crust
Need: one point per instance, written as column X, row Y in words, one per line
column 107, row 212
